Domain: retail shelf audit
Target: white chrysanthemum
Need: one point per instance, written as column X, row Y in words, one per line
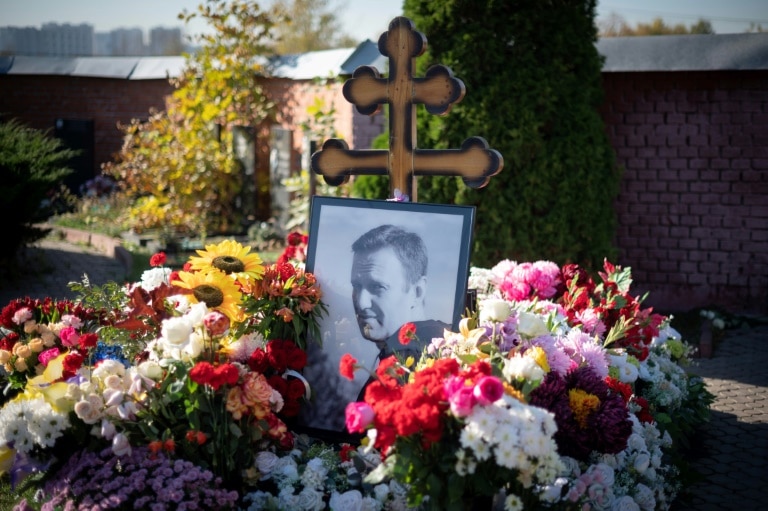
column 513, row 503
column 155, row 277
column 470, row 437
column 29, row 423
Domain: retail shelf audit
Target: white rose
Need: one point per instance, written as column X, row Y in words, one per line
column 151, row 369
column 531, row 325
column 642, row 462
column 310, row 500
column 120, row 445
column 196, row 313
column 625, row 503
column 265, row 462
column 108, row 367
column 381, row 492
column 636, row 442
column 371, row 504
column 195, row 345
column 176, row 331
column 351, row 500
column 494, row 310
column 628, row 373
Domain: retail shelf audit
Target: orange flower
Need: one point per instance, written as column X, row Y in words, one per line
column 286, row 314
column 235, row 404
column 155, row 446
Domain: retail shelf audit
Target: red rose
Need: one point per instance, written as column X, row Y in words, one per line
column 347, row 366
column 291, row 408
column 278, row 383
column 277, row 354
column 258, row 361
column 157, row 259
column 296, row 389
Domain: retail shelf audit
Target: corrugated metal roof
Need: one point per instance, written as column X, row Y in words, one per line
column 622, row 54
column 152, row 68
column 685, row 52
column 314, row 64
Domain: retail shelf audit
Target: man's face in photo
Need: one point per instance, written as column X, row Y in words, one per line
column 382, row 297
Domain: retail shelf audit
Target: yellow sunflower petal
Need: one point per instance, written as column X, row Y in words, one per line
column 217, row 290
column 229, row 257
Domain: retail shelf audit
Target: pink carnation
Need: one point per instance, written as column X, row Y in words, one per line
column 46, row 356
column 69, row 336
column 22, row 315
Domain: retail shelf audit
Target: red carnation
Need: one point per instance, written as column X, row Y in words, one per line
column 157, row 259
column 72, row 363
column 407, row 334
column 202, row 373
column 347, row 366
column 225, row 374
column 295, row 238
column 88, row 340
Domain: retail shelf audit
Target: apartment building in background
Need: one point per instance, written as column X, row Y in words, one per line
column 55, row 40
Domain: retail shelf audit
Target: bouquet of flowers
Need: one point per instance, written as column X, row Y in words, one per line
column 554, row 393
column 212, row 376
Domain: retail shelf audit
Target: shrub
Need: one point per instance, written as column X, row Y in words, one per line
column 532, row 75
column 32, row 164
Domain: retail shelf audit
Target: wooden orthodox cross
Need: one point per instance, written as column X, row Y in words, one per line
column 437, row 91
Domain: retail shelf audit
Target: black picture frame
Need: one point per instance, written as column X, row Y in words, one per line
column 335, row 223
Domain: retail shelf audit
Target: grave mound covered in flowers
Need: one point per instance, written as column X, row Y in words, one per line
column 180, row 391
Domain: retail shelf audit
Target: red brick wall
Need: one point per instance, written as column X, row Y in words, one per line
column 39, row 100
column 693, row 206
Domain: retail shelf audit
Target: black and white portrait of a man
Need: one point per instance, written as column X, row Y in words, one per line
column 380, row 265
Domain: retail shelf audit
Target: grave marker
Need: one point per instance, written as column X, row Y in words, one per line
column 474, row 162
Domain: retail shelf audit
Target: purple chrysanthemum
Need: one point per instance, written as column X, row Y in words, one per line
column 90, row 480
column 603, row 426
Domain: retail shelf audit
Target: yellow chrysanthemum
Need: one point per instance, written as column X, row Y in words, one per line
column 229, row 257
column 538, row 354
column 583, row 404
column 217, row 290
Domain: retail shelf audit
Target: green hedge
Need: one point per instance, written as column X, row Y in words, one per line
column 32, row 166
column 533, row 81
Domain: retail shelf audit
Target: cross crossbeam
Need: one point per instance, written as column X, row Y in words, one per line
column 474, row 162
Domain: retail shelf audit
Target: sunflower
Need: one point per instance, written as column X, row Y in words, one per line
column 218, row 291
column 231, row 258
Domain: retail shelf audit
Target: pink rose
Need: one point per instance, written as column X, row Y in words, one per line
column 69, row 336
column 359, row 416
column 488, row 390
column 48, row 355
column 216, row 323
column 460, row 396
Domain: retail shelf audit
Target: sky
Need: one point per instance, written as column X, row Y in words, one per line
column 361, row 19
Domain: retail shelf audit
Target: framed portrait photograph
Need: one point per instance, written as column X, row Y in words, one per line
column 380, row 264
